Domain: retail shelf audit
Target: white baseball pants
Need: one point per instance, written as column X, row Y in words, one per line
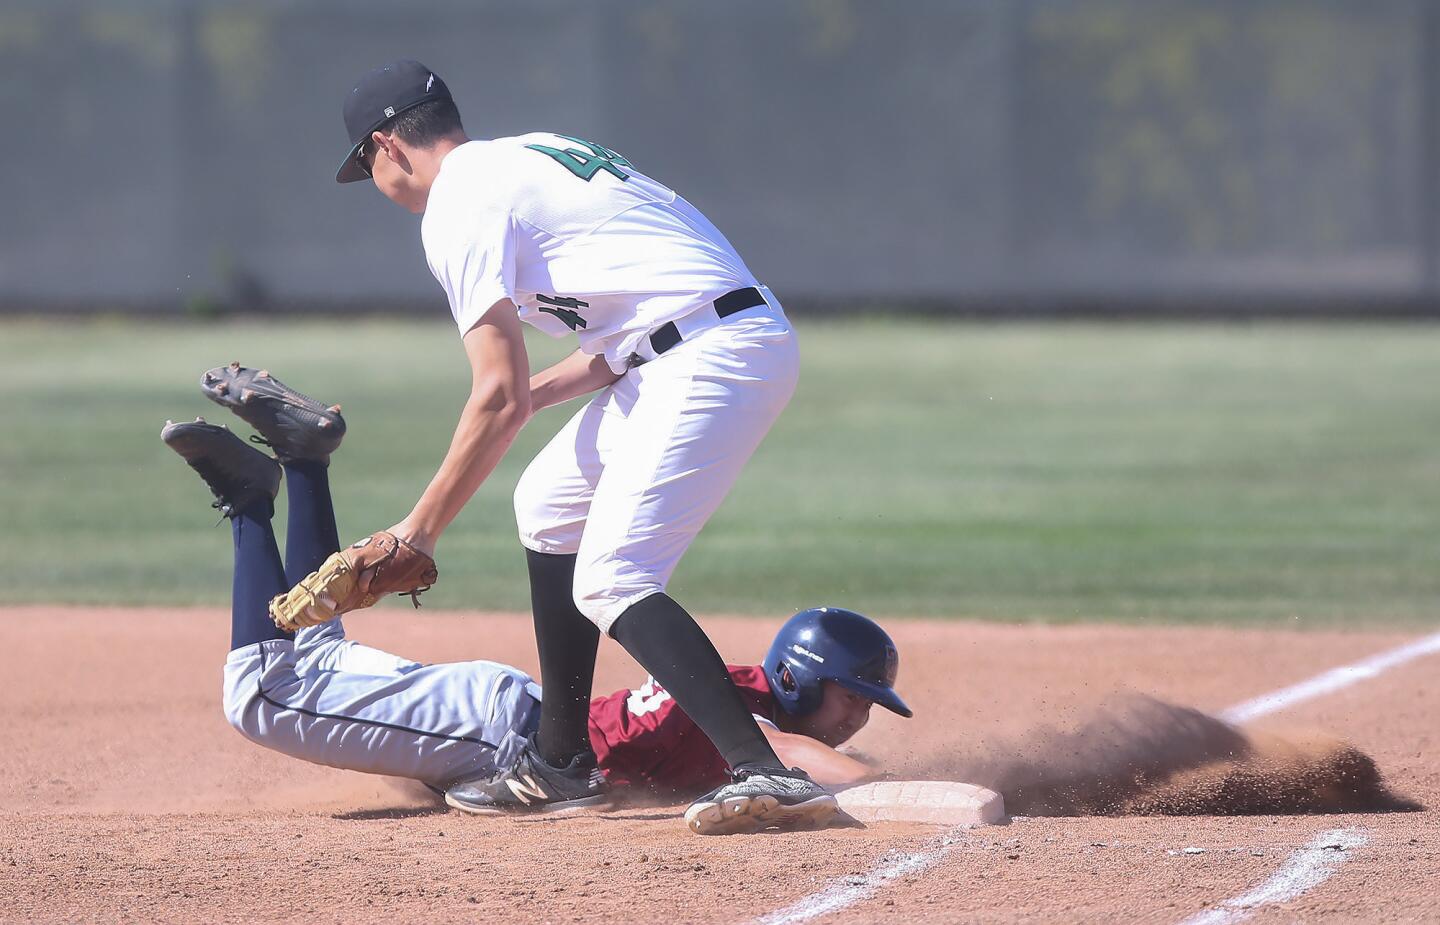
column 329, row 700
column 627, row 484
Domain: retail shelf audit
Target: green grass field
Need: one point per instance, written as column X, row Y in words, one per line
column 1275, row 474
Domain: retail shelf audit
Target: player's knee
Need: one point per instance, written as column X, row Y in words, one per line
column 598, row 594
column 241, row 692
column 602, row 595
column 590, row 597
column 536, row 518
column 529, row 502
column 236, row 703
column 231, row 707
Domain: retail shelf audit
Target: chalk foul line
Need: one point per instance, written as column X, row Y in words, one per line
column 1333, row 680
column 1304, row 870
column 847, row 891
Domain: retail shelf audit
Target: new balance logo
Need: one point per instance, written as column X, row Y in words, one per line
column 524, row 791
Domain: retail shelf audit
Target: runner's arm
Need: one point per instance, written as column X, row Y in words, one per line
column 577, row 374
column 828, row 767
column 498, row 406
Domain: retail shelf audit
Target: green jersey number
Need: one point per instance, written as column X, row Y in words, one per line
column 586, row 164
column 563, row 307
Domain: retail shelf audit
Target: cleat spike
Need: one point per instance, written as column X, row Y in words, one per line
column 294, row 425
column 199, row 419
column 210, row 377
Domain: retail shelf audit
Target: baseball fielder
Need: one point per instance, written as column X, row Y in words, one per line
column 327, row 699
column 693, row 360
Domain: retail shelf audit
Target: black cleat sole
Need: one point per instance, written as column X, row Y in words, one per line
column 295, row 425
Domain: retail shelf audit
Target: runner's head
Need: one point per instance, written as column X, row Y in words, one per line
column 826, row 668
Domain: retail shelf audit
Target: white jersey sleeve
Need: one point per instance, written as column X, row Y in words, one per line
column 475, row 265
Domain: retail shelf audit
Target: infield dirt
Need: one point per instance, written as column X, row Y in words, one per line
column 127, row 797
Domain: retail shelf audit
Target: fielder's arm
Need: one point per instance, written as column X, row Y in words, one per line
column 578, row 374
column 498, row 406
column 828, row 767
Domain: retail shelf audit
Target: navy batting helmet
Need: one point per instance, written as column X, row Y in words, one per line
column 831, row 644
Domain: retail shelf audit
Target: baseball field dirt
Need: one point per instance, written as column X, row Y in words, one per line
column 125, row 796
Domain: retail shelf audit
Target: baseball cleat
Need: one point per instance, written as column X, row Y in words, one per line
column 237, row 473
column 294, row 425
column 530, row 785
column 765, row 798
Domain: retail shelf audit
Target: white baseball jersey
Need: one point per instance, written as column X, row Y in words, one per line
column 576, row 237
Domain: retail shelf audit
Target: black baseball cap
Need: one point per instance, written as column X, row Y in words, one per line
column 381, row 95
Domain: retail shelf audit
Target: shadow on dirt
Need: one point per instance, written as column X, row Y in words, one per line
column 415, row 812
column 1142, row 756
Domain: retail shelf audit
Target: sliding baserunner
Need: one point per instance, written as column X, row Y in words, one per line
column 321, row 697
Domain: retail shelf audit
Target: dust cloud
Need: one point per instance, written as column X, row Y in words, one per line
column 1141, row 756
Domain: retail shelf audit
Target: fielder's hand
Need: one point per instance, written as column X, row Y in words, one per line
column 355, row 578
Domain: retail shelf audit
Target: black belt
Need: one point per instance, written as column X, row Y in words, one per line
column 667, row 335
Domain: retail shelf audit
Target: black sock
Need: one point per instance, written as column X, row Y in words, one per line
column 259, row 576
column 668, row 643
column 567, row 642
column 310, row 534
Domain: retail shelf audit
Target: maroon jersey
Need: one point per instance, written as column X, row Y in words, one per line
column 643, row 739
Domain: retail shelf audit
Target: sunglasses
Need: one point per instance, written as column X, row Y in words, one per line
column 362, row 158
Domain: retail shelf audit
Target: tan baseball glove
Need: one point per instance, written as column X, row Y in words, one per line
column 382, row 562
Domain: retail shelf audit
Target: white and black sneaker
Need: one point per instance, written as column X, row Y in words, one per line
column 765, row 798
column 530, row 785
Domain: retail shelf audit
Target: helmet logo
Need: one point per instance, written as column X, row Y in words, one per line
column 801, row 650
